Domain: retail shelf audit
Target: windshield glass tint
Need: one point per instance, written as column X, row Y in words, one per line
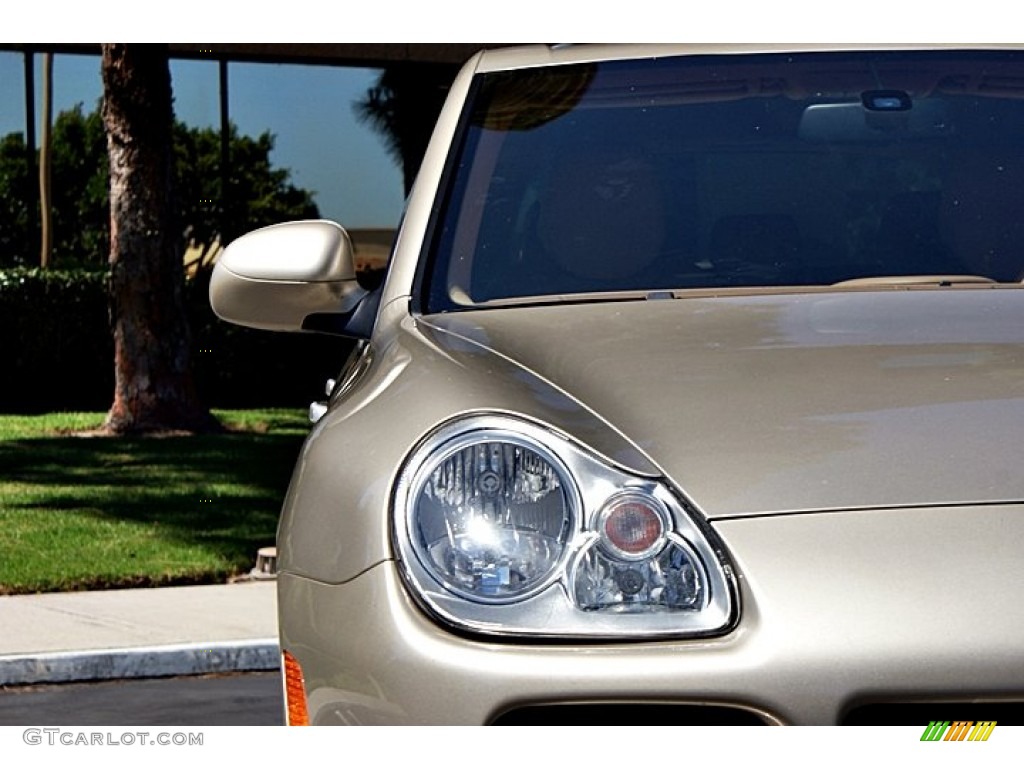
column 739, row 171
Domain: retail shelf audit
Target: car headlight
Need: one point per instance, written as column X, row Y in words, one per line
column 506, row 528
column 491, row 516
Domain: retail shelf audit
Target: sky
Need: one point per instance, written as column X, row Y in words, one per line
column 308, row 109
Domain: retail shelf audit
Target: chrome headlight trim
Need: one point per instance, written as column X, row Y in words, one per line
column 548, row 607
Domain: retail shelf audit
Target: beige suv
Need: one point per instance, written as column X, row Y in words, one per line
column 694, row 394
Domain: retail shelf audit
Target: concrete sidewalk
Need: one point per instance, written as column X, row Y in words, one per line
column 78, row 636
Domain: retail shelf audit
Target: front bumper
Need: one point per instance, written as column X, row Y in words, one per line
column 838, row 610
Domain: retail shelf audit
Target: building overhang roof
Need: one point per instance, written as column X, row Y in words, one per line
column 341, row 54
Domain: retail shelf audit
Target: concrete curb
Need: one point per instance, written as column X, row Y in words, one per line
column 151, row 661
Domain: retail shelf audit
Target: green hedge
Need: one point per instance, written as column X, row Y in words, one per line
column 56, row 351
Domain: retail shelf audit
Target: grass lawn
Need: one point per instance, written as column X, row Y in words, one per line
column 102, row 512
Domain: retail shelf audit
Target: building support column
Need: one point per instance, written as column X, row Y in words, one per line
column 30, row 192
column 225, row 156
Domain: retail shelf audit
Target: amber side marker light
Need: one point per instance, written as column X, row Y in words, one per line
column 296, row 712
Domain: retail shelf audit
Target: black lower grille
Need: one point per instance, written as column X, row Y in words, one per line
column 627, row 714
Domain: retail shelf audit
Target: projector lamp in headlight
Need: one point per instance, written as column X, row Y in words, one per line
column 490, row 516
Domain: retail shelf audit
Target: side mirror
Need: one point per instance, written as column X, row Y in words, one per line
column 297, row 276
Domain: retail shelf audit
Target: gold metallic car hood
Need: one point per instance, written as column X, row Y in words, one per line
column 767, row 404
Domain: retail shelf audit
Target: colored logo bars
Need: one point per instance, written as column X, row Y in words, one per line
column 961, row 730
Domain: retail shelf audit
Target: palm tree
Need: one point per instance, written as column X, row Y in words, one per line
column 154, row 389
column 402, row 107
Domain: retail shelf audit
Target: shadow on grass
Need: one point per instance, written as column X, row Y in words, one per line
column 203, row 504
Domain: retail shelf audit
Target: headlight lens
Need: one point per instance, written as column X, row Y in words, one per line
column 504, row 527
column 490, row 516
column 670, row 580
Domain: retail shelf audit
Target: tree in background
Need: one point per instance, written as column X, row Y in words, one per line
column 260, row 193
column 81, row 207
column 43, row 348
column 14, row 192
column 402, row 107
column 153, row 385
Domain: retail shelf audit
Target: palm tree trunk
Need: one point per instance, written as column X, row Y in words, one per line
column 154, row 389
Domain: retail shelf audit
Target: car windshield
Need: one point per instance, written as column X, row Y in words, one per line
column 716, row 172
